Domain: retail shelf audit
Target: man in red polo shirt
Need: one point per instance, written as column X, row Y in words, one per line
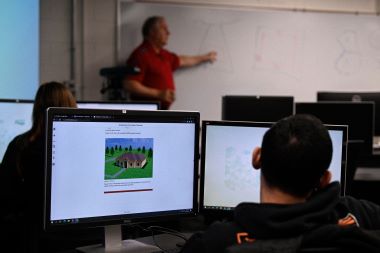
column 156, row 65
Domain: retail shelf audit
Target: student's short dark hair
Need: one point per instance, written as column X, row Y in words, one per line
column 296, row 151
column 149, row 24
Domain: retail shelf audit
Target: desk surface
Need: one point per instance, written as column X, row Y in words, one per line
column 140, row 245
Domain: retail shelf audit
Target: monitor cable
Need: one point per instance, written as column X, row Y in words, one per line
column 154, row 229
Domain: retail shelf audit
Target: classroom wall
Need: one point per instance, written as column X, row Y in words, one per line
column 54, row 40
column 78, row 37
column 95, row 35
column 99, row 27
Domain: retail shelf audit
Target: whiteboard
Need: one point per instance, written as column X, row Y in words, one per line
column 261, row 52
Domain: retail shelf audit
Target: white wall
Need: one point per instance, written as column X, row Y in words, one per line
column 54, row 40
column 99, row 31
column 95, row 34
column 94, row 43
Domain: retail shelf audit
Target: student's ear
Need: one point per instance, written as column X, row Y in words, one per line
column 256, row 158
column 325, row 179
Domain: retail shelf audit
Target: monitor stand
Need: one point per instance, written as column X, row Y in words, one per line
column 376, row 145
column 113, row 243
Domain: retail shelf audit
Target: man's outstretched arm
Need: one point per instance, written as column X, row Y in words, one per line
column 188, row 61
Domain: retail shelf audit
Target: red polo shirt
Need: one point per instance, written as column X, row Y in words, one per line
column 156, row 69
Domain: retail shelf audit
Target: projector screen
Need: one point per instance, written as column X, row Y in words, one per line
column 19, row 48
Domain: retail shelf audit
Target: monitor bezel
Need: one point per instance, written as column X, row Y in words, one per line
column 227, row 213
column 121, row 102
column 5, row 100
column 367, row 150
column 365, row 96
column 117, row 219
column 254, row 99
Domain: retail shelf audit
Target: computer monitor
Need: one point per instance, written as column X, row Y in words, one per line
column 106, row 167
column 358, row 116
column 120, row 105
column 257, row 108
column 355, row 97
column 227, row 175
column 15, row 119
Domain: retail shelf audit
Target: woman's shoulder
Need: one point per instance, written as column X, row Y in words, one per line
column 20, row 140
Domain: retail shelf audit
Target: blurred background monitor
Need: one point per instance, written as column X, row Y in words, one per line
column 355, row 97
column 256, row 108
column 121, row 105
column 135, row 166
column 358, row 116
column 227, row 175
column 15, row 119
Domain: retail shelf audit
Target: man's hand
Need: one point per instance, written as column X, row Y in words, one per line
column 188, row 61
column 137, row 88
column 211, row 56
column 167, row 95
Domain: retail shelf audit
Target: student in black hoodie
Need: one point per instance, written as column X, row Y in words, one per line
column 299, row 206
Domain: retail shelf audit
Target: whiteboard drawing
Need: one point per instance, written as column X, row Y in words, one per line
column 348, row 41
column 349, row 60
column 215, row 39
column 348, row 63
column 277, row 50
column 374, row 44
column 374, row 40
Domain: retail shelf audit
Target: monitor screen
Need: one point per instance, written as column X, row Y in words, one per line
column 256, row 108
column 227, row 175
column 355, row 97
column 20, row 42
column 150, row 106
column 115, row 166
column 358, row 116
column 15, row 119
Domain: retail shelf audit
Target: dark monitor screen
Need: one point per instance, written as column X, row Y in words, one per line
column 358, row 116
column 355, row 97
column 15, row 119
column 227, row 175
column 256, row 108
column 108, row 167
column 121, row 105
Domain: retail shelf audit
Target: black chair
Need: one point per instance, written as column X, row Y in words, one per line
column 113, row 81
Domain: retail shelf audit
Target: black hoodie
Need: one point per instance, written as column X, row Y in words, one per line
column 324, row 219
